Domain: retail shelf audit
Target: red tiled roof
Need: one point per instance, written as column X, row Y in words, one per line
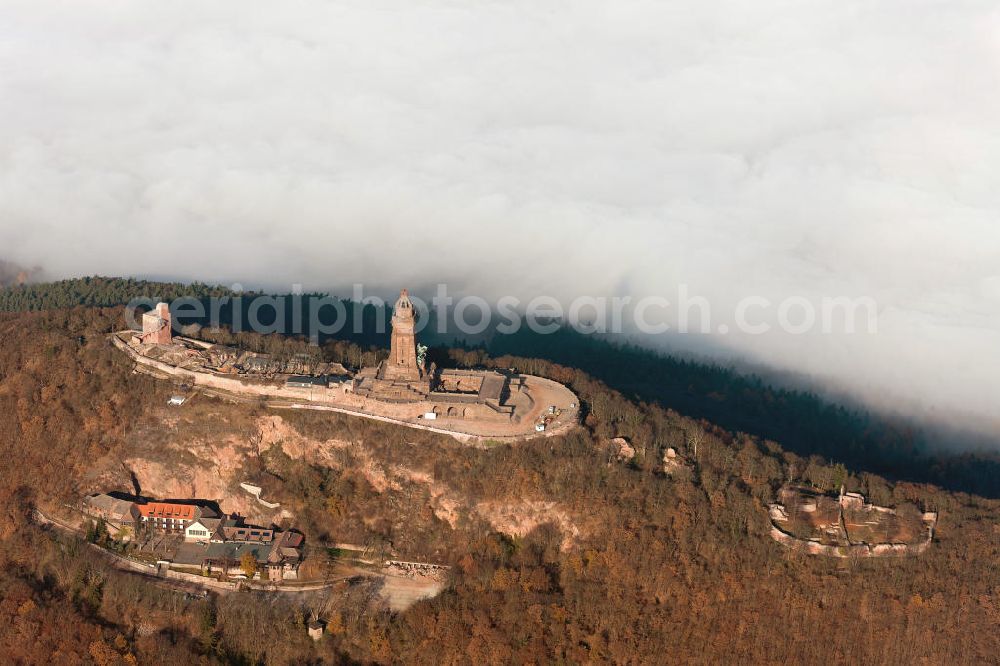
column 167, row 510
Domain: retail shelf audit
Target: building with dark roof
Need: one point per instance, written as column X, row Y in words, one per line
column 117, row 512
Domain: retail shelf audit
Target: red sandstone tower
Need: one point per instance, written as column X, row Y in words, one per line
column 156, row 327
column 402, row 362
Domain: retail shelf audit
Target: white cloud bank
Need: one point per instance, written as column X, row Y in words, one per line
column 816, row 148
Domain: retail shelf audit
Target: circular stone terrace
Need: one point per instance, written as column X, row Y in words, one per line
column 545, row 395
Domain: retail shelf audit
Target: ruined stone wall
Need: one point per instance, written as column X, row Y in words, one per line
column 334, row 395
column 205, row 379
column 777, row 511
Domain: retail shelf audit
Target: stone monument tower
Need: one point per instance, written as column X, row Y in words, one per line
column 402, row 362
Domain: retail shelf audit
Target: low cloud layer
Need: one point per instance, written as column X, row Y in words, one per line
column 821, row 148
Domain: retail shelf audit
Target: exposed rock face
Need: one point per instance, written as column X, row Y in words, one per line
column 520, row 518
column 182, row 466
column 671, row 461
column 207, row 478
column 212, row 469
column 624, row 450
column 517, row 518
column 274, row 431
column 445, row 504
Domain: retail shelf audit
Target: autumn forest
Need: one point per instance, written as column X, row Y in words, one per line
column 641, row 566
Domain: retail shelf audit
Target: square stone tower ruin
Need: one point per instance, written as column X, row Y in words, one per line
column 156, row 326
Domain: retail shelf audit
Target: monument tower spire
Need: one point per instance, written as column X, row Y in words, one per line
column 402, row 361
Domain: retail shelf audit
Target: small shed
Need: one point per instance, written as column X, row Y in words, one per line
column 316, row 628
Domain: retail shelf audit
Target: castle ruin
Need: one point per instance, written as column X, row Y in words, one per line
column 810, row 521
column 401, row 389
column 156, row 327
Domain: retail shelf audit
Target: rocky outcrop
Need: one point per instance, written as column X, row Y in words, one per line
column 839, row 526
column 520, row 518
column 672, row 462
column 623, row 450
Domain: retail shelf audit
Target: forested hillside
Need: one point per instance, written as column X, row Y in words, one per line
column 96, row 291
column 663, row 568
column 802, row 421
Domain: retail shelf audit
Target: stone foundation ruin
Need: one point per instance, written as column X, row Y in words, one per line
column 807, row 520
